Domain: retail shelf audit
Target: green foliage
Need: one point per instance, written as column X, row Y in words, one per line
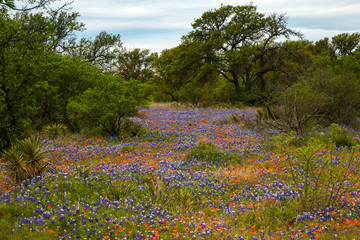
column 239, row 42
column 16, row 167
column 136, row 64
column 4, row 4
column 106, row 106
column 340, row 80
column 119, row 192
column 329, row 94
column 101, row 52
column 338, row 137
column 346, row 43
column 196, row 94
column 323, row 47
column 66, row 79
column 297, row 108
column 130, row 129
column 25, row 159
column 224, row 91
column 343, row 140
column 167, row 193
column 55, row 130
column 208, row 152
column 27, row 42
column 158, row 191
column 185, row 199
column 320, row 181
column 182, row 75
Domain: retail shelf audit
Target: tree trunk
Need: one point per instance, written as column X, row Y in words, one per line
column 235, row 81
column 248, row 81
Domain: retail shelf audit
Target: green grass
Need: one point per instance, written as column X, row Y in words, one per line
column 208, row 152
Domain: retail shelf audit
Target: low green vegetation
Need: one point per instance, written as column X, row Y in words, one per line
column 53, row 131
column 212, row 155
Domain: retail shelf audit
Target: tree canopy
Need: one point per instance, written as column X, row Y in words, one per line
column 239, row 40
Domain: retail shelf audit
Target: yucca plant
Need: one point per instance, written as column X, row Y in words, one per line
column 26, row 158
column 55, row 130
column 34, row 153
column 185, row 198
column 16, row 165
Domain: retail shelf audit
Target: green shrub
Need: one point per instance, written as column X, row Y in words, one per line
column 131, row 129
column 208, row 152
column 103, row 109
column 339, row 137
column 319, row 179
column 297, row 107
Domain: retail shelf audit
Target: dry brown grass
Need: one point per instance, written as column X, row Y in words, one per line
column 171, row 105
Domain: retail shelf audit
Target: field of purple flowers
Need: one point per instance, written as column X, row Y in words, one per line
column 198, row 173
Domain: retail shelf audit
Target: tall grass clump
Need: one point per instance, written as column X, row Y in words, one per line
column 340, row 138
column 25, row 159
column 55, row 130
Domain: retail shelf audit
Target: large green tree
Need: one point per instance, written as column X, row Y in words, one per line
column 346, row 43
column 26, row 39
column 183, row 66
column 239, row 40
column 136, row 64
column 102, row 51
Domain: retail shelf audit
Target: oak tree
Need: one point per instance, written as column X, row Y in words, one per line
column 240, row 41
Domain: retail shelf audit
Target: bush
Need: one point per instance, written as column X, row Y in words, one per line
column 131, row 129
column 196, row 94
column 321, row 183
column 206, row 151
column 339, row 138
column 103, row 109
column 26, row 159
column 297, row 108
column 343, row 90
column 55, row 130
column 325, row 96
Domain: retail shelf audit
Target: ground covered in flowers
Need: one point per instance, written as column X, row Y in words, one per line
column 198, row 173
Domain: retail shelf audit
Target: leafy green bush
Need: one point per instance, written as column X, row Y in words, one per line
column 328, row 94
column 297, row 107
column 105, row 107
column 196, row 94
column 131, row 129
column 341, row 82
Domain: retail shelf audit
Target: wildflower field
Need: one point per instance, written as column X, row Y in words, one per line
column 198, row 173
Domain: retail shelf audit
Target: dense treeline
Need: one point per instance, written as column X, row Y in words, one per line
column 233, row 54
column 47, row 76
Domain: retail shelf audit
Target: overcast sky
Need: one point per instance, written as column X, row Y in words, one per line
column 160, row 24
